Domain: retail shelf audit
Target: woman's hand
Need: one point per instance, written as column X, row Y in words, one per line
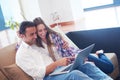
column 65, row 44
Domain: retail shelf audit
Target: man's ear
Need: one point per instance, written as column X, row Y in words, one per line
column 18, row 34
column 21, row 35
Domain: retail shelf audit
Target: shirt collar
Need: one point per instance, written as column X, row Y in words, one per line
column 25, row 44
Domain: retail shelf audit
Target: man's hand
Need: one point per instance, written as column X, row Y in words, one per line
column 65, row 61
column 61, row 62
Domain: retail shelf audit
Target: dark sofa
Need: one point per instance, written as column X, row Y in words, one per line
column 107, row 39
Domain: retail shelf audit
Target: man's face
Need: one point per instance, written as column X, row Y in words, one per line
column 30, row 36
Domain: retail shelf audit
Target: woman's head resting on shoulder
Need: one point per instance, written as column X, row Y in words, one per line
column 43, row 31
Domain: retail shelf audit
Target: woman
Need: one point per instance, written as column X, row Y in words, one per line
column 57, row 45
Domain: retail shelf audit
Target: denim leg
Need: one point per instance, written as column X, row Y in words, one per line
column 103, row 57
column 102, row 62
column 94, row 72
column 73, row 75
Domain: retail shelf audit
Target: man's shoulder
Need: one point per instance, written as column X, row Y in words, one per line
column 23, row 47
column 35, row 47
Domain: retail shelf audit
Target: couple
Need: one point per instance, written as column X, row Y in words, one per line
column 40, row 53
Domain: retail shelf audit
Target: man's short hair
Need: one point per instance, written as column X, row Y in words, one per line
column 24, row 25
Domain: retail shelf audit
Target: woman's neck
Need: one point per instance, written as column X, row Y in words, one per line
column 44, row 40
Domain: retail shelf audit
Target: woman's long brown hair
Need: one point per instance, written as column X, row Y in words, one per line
column 38, row 21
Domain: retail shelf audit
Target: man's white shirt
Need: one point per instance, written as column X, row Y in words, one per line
column 33, row 60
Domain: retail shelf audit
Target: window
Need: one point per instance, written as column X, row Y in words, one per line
column 101, row 13
column 99, row 4
column 9, row 10
column 2, row 20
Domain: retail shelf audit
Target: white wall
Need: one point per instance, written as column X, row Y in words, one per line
column 62, row 7
column 44, row 8
column 77, row 9
column 31, row 9
column 68, row 10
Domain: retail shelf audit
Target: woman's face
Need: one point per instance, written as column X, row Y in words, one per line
column 41, row 31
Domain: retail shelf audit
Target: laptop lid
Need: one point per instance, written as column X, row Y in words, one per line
column 81, row 57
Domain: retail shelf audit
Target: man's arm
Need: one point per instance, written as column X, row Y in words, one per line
column 61, row 62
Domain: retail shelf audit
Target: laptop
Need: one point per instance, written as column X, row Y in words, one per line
column 79, row 60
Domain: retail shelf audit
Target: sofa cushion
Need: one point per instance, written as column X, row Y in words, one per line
column 13, row 72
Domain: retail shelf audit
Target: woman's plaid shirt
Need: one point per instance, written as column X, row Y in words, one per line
column 58, row 42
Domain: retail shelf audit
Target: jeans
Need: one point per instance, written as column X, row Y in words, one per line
column 101, row 62
column 87, row 71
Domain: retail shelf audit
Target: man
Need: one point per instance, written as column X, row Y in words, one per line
column 36, row 62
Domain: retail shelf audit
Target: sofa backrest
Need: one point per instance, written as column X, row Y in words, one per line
column 7, row 55
column 107, row 39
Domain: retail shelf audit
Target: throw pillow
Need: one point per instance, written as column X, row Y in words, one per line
column 13, row 72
